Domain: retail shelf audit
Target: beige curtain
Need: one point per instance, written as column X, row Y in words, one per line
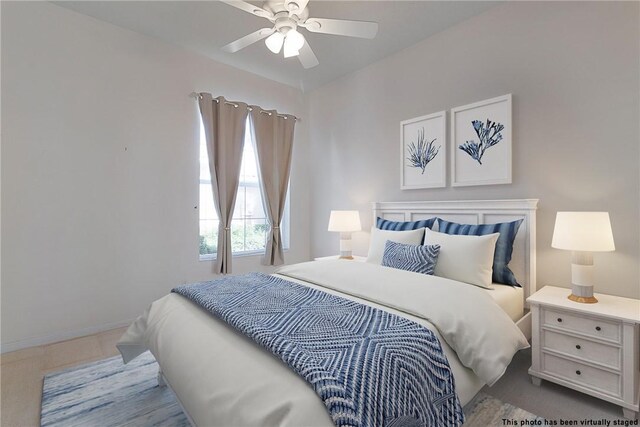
column 224, row 128
column 273, row 137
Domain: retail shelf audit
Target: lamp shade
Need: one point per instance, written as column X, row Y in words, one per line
column 344, row 221
column 583, row 231
column 274, row 42
column 293, row 42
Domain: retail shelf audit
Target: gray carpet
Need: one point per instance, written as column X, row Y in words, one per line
column 109, row 394
column 550, row 401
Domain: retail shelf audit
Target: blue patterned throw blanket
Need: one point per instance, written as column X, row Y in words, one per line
column 370, row 367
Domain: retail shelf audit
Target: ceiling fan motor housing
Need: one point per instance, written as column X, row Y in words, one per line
column 284, row 23
column 286, row 8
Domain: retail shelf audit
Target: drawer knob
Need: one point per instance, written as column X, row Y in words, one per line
column 559, row 319
column 578, row 372
column 598, row 328
column 578, row 346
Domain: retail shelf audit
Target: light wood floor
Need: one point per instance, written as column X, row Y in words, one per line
column 21, row 373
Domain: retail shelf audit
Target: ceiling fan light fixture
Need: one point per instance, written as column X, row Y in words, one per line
column 274, row 42
column 288, row 53
column 293, row 41
column 288, row 15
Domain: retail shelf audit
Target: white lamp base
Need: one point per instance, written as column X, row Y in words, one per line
column 345, row 246
column 582, row 278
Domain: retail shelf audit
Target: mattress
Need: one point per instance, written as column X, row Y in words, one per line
column 509, row 298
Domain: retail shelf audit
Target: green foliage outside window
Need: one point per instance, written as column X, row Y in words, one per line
column 253, row 239
column 208, row 244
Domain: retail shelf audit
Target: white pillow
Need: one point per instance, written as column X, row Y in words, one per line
column 379, row 239
column 466, row 259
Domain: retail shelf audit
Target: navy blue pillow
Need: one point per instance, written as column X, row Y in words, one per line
column 385, row 224
column 416, row 258
column 504, row 245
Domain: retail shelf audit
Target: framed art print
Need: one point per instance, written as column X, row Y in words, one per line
column 423, row 152
column 481, row 143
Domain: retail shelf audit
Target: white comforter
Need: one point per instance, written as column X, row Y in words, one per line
column 223, row 378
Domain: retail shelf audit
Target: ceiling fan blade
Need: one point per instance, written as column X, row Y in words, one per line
column 248, row 7
column 295, row 7
column 340, row 27
column 307, row 57
column 248, row 39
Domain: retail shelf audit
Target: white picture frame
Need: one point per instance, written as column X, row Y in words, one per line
column 425, row 138
column 481, row 161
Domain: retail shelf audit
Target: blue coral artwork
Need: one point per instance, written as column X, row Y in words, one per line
column 422, row 152
column 481, row 142
column 489, row 134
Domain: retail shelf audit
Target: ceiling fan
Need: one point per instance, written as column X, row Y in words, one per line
column 287, row 16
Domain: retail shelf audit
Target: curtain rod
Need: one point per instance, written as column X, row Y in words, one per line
column 198, row 96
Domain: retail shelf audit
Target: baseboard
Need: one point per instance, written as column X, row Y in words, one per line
column 7, row 347
column 525, row 325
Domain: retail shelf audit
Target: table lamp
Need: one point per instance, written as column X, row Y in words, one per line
column 582, row 233
column 345, row 222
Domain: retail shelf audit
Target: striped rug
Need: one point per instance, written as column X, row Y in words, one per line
column 108, row 393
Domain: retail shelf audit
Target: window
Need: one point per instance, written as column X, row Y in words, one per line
column 249, row 224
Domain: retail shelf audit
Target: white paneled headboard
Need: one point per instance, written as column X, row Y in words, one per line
column 523, row 260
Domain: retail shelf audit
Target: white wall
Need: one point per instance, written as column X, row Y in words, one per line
column 573, row 69
column 100, row 149
column 100, row 170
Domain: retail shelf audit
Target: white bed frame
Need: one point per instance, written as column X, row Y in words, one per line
column 523, row 260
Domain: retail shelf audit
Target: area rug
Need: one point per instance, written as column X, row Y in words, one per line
column 108, row 393
column 485, row 410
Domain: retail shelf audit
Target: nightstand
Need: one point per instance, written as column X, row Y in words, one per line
column 355, row 258
column 592, row 348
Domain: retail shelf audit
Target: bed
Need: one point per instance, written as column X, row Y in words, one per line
column 221, row 377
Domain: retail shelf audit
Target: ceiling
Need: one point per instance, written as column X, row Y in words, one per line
column 206, row 26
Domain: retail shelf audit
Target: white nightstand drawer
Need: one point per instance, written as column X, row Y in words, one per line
column 591, row 326
column 595, row 352
column 578, row 373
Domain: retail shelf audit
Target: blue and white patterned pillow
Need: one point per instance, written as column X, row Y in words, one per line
column 385, row 224
column 504, row 246
column 416, row 258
